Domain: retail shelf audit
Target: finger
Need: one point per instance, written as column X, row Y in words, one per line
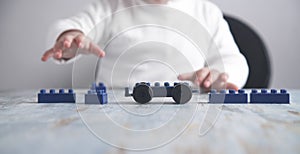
column 201, row 75
column 207, row 81
column 67, row 41
column 218, row 80
column 64, row 42
column 96, row 50
column 58, row 54
column 223, row 77
column 231, row 86
column 79, row 41
column 187, row 76
column 48, row 54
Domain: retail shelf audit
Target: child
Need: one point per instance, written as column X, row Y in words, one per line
column 72, row 33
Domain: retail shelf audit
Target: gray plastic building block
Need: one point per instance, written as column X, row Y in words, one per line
column 96, row 94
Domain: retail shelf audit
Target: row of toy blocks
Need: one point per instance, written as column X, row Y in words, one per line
column 53, row 97
column 272, row 97
column 96, row 94
column 262, row 97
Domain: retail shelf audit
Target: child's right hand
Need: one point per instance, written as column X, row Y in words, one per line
column 67, row 44
column 207, row 79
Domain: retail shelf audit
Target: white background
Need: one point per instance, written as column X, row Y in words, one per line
column 24, row 26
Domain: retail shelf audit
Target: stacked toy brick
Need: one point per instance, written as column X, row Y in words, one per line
column 97, row 94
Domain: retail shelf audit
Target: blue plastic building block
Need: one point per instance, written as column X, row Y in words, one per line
column 53, row 97
column 143, row 92
column 96, row 94
column 228, row 98
column 272, row 97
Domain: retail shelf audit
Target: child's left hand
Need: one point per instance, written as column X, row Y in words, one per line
column 207, row 79
column 67, row 45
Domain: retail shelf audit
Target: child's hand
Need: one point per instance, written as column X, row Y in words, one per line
column 208, row 79
column 67, row 44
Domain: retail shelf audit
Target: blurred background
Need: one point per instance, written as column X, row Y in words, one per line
column 24, row 26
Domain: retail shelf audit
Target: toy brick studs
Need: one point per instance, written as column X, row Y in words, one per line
column 96, row 94
column 53, row 97
column 143, row 92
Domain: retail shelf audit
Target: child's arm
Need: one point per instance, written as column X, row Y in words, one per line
column 67, row 35
column 235, row 72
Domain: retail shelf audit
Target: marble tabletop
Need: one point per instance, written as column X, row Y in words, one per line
column 123, row 126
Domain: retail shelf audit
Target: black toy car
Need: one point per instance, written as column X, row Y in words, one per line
column 143, row 92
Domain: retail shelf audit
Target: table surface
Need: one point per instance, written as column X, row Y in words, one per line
column 122, row 126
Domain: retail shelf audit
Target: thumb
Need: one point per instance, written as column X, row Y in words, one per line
column 96, row 50
column 187, row 76
column 231, row 86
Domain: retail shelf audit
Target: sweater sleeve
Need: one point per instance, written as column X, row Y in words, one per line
column 229, row 56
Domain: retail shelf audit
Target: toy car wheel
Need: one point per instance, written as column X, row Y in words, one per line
column 142, row 93
column 182, row 94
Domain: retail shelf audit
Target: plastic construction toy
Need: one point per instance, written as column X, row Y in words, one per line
column 143, row 92
column 232, row 97
column 96, row 94
column 271, row 97
column 53, row 97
